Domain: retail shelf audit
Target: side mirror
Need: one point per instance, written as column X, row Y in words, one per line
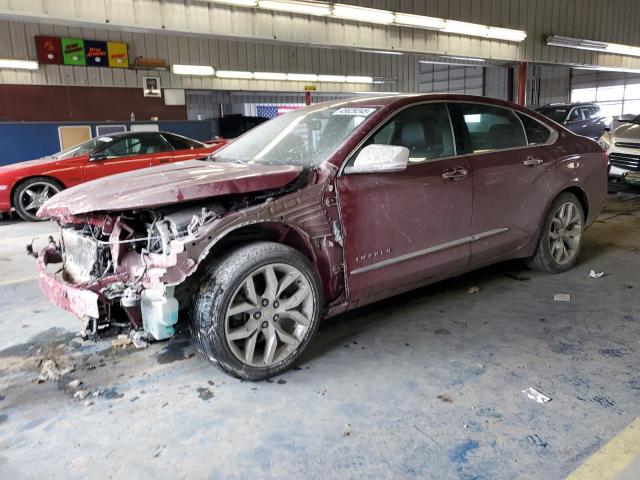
column 97, row 157
column 380, row 158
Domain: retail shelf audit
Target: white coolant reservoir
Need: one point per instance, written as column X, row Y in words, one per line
column 159, row 312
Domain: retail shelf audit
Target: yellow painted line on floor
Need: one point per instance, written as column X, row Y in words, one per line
column 613, row 457
column 17, row 280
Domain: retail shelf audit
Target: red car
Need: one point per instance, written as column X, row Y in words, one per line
column 25, row 186
column 316, row 212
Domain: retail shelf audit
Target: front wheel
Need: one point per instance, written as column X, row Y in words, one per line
column 32, row 194
column 561, row 236
column 258, row 310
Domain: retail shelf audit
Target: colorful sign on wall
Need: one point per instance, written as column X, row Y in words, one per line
column 49, row 50
column 72, row 51
column 118, row 54
column 76, row 51
column 95, row 53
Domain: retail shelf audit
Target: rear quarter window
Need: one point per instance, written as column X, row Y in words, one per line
column 537, row 133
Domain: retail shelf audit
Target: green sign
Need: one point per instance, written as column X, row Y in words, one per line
column 73, row 51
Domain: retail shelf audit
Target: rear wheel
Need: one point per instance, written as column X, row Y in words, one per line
column 258, row 311
column 32, row 194
column 561, row 237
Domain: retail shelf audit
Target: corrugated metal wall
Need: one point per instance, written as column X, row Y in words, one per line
column 496, row 83
column 448, row 78
column 17, row 41
column 609, row 20
column 209, row 104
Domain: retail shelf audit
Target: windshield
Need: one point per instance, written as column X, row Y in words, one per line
column 557, row 114
column 83, row 148
column 305, row 137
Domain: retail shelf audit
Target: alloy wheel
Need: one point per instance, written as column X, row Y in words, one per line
column 565, row 233
column 269, row 315
column 33, row 197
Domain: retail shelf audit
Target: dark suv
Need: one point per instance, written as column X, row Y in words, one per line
column 581, row 118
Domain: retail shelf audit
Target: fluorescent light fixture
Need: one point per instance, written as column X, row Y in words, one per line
column 377, row 93
column 359, row 79
column 419, row 21
column 332, row 78
column 237, row 3
column 381, row 52
column 269, row 76
column 464, row 28
column 600, row 68
column 206, row 70
column 296, row 6
column 476, row 30
column 302, row 77
column 593, row 45
column 623, row 49
column 506, row 34
column 579, row 43
column 19, row 64
column 385, row 17
column 464, row 59
column 361, row 14
column 234, row 74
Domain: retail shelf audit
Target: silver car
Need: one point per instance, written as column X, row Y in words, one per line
column 623, row 147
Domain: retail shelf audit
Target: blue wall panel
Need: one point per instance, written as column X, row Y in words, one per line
column 22, row 141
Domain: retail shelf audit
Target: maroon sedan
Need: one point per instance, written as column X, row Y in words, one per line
column 316, row 212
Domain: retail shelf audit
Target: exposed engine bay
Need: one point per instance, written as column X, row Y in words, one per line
column 142, row 265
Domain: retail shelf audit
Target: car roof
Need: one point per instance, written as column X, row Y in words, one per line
column 128, row 134
column 569, row 105
column 395, row 100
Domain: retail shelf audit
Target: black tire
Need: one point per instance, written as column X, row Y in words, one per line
column 31, row 183
column 543, row 260
column 208, row 313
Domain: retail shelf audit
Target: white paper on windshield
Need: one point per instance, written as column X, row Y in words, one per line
column 358, row 112
column 105, row 139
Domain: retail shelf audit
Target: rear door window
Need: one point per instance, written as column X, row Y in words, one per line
column 485, row 128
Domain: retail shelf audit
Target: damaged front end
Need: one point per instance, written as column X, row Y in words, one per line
column 108, row 268
column 138, row 268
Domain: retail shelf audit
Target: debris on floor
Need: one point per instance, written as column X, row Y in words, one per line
column 594, row 274
column 123, row 341
column 534, row 394
column 472, row 290
column 140, row 338
column 74, row 384
column 562, row 297
column 50, row 371
column 81, row 394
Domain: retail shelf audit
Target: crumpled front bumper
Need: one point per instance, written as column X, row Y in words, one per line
column 78, row 299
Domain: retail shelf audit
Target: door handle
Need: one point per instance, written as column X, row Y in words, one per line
column 164, row 159
column 457, row 173
column 531, row 161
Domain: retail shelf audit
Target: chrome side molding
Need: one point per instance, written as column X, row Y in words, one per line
column 426, row 251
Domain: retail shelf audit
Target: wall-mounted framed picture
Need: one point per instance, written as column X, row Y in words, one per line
column 151, row 87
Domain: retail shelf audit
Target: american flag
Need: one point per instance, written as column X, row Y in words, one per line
column 272, row 111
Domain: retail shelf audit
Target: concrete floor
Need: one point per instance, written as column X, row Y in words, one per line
column 425, row 385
